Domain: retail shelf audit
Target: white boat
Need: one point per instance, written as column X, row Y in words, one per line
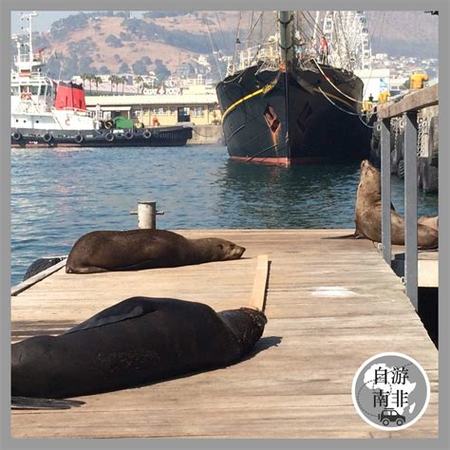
column 49, row 113
column 40, row 103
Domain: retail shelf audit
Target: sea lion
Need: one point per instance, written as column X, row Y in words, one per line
column 101, row 251
column 429, row 221
column 368, row 213
column 135, row 342
column 41, row 264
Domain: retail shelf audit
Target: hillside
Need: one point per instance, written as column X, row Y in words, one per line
column 111, row 42
column 404, row 33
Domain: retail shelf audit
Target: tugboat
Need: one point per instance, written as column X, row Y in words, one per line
column 289, row 108
column 49, row 113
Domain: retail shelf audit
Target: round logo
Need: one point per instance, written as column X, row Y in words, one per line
column 391, row 391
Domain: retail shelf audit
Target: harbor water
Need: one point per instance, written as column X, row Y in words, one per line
column 58, row 194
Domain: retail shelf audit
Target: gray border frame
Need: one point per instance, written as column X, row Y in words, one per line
column 443, row 6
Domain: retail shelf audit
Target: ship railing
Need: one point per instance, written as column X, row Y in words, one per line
column 407, row 107
column 77, row 110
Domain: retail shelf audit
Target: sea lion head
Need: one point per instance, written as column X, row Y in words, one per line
column 247, row 325
column 369, row 179
column 216, row 249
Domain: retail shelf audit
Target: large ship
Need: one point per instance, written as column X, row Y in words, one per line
column 292, row 106
column 45, row 112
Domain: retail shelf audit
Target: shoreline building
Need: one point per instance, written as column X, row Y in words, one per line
column 160, row 109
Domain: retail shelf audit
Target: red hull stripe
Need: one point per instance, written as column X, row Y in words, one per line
column 281, row 161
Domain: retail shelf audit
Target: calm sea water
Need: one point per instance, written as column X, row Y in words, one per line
column 59, row 194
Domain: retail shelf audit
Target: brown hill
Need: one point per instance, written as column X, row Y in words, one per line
column 113, row 43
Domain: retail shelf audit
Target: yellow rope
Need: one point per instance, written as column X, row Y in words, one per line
column 267, row 88
column 263, row 90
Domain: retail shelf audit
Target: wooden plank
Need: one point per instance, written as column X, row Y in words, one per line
column 428, row 273
column 258, row 297
column 410, row 102
column 15, row 290
column 330, row 304
column 427, row 266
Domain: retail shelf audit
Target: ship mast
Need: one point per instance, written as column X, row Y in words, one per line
column 286, row 43
column 26, row 60
column 30, row 36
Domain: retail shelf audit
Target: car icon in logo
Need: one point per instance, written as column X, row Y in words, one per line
column 389, row 415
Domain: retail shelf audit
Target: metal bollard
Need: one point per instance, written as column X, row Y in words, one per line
column 147, row 213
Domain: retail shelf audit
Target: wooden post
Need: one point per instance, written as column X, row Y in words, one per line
column 147, row 215
column 385, row 142
column 410, row 157
column 258, row 297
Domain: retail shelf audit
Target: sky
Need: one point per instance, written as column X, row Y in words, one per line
column 42, row 22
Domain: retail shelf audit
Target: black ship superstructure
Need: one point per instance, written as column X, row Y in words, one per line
column 299, row 112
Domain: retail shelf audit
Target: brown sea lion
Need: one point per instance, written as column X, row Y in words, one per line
column 368, row 213
column 102, row 251
column 135, row 342
column 429, row 221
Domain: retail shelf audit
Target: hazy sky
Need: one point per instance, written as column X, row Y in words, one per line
column 43, row 21
column 40, row 23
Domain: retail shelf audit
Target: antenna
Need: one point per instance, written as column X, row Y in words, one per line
column 28, row 17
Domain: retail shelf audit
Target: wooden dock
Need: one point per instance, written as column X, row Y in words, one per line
column 331, row 304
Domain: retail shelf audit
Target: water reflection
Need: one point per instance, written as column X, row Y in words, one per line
column 301, row 196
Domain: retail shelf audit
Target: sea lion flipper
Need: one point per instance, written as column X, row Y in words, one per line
column 355, row 235
column 85, row 269
column 128, row 309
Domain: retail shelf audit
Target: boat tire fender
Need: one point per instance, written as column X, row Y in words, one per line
column 147, row 134
column 129, row 135
column 109, row 137
column 47, row 137
column 79, row 138
column 17, row 136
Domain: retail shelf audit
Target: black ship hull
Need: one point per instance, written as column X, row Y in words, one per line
column 149, row 137
column 283, row 118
